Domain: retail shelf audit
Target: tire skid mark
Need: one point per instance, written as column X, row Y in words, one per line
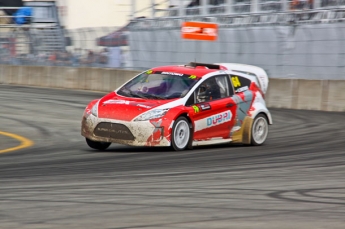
column 309, row 196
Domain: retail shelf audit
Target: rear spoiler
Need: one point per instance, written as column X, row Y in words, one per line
column 257, row 72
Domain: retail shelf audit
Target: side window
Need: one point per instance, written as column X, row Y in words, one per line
column 191, row 100
column 225, row 87
column 240, row 83
column 213, row 88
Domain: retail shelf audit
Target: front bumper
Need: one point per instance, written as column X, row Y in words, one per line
column 139, row 133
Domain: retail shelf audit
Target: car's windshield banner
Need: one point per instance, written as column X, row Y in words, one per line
column 172, row 74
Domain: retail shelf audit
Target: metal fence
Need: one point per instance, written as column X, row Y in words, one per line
column 27, row 33
column 305, row 44
column 215, row 7
column 298, row 44
column 56, row 47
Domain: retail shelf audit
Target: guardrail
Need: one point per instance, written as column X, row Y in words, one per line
column 233, row 7
column 323, row 95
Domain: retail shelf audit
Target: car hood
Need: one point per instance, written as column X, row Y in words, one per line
column 113, row 106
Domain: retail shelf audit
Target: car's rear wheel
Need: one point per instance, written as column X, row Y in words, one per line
column 97, row 145
column 259, row 130
column 181, row 134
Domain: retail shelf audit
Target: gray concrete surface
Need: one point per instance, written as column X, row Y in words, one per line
column 295, row 181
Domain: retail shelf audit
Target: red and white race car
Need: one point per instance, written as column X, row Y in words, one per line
column 182, row 106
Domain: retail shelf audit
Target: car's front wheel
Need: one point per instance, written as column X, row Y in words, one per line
column 181, row 134
column 97, row 145
column 259, row 130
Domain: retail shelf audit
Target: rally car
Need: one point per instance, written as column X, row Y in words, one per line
column 182, row 106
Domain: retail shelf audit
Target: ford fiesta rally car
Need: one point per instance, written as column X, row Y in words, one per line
column 182, row 106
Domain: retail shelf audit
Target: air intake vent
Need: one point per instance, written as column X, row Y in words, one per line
column 209, row 66
column 113, row 130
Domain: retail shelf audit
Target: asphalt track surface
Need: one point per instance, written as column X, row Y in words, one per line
column 296, row 180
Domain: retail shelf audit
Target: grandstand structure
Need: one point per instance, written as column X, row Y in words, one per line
column 288, row 42
column 43, row 34
column 181, row 8
column 240, row 12
column 40, row 33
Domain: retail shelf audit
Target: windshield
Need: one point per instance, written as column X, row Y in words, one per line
column 159, row 85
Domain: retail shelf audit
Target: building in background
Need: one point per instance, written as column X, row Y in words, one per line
column 104, row 13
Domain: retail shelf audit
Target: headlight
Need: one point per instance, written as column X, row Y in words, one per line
column 94, row 110
column 152, row 115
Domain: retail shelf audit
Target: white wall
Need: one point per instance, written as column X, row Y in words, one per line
column 102, row 13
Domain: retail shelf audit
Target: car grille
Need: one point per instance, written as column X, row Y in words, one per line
column 113, row 130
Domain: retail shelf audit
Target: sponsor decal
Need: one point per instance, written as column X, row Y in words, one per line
column 205, row 106
column 172, row 73
column 235, row 81
column 116, row 102
column 149, row 72
column 202, row 106
column 213, row 120
column 196, row 109
column 101, row 129
column 199, row 31
column 176, row 74
column 241, row 89
column 144, row 106
column 127, row 103
column 219, row 118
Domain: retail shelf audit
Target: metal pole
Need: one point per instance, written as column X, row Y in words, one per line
column 133, row 2
column 317, row 4
column 181, row 11
column 254, row 6
column 285, row 5
column 203, row 5
column 153, row 12
column 229, row 6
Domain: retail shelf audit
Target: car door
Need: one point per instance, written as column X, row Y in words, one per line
column 211, row 108
column 243, row 98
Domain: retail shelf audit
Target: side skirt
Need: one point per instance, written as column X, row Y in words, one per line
column 211, row 142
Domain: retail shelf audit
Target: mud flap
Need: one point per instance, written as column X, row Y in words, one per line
column 244, row 134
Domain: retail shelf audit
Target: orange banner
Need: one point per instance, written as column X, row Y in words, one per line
column 199, row 31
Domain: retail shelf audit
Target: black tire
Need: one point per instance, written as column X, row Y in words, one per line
column 97, row 145
column 259, row 131
column 181, row 134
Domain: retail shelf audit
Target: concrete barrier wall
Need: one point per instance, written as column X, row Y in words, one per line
column 327, row 95
column 97, row 79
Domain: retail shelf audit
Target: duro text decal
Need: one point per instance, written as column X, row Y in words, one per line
column 219, row 118
column 213, row 120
